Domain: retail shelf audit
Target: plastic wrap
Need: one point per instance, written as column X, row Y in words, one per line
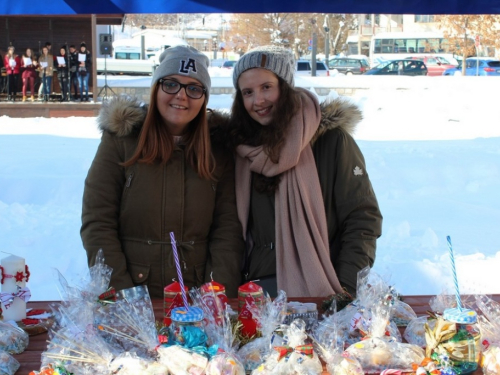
column 294, row 357
column 402, row 313
column 331, row 350
column 13, row 339
column 129, row 364
column 380, row 351
column 220, row 333
column 490, row 361
column 182, row 361
column 8, row 364
column 415, row 331
column 269, row 316
column 129, row 323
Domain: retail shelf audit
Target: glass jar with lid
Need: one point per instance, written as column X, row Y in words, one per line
column 186, row 328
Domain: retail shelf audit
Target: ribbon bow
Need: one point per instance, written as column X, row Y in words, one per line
column 109, row 296
column 285, row 351
column 7, row 298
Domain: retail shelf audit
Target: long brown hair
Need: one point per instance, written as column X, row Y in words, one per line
column 245, row 130
column 156, row 144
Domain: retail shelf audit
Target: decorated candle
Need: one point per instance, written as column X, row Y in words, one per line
column 172, row 298
column 212, row 291
column 249, row 294
column 14, row 294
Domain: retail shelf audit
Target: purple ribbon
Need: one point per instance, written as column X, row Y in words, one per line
column 8, row 298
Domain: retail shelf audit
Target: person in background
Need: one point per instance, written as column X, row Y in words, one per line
column 73, row 71
column 308, row 210
column 159, row 169
column 84, row 64
column 29, row 65
column 41, row 89
column 3, row 73
column 46, row 70
column 12, row 63
column 63, row 73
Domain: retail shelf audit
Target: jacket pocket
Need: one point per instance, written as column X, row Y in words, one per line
column 138, row 272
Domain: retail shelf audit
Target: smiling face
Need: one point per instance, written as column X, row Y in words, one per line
column 178, row 110
column 260, row 91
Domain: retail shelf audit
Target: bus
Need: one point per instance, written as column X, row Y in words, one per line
column 399, row 45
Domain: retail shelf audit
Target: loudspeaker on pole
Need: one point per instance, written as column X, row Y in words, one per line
column 106, row 44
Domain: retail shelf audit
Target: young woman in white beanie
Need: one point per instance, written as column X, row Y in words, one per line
column 308, row 211
column 158, row 170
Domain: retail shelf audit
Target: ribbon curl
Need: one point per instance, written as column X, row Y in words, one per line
column 285, row 351
column 7, row 298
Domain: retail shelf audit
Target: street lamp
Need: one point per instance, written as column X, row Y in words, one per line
column 327, row 39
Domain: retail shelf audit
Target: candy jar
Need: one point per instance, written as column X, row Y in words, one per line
column 186, row 328
column 460, row 349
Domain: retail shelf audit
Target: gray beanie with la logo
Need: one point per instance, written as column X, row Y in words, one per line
column 185, row 61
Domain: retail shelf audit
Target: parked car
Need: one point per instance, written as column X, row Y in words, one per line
column 436, row 65
column 304, row 68
column 349, row 65
column 474, row 66
column 404, row 67
column 229, row 64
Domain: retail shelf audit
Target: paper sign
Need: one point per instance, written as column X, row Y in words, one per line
column 82, row 57
column 60, row 60
column 44, row 64
column 27, row 61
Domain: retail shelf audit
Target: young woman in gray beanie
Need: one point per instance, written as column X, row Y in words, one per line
column 308, row 211
column 159, row 170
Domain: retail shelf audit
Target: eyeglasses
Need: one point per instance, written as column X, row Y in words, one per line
column 173, row 87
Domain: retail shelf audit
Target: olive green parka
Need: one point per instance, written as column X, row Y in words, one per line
column 129, row 212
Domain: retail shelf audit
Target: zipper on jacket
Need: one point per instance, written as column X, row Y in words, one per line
column 129, row 180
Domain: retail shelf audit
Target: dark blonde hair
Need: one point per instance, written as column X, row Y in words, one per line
column 156, row 143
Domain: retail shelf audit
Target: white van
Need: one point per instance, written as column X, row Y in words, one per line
column 126, row 60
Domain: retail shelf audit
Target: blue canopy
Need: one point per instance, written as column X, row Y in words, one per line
column 70, row 7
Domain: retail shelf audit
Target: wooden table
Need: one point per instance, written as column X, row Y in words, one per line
column 30, row 359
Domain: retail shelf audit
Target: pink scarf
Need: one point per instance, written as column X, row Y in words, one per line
column 304, row 268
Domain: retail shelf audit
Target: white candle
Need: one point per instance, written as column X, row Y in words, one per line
column 11, row 266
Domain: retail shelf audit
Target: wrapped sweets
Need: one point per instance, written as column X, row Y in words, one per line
column 249, row 294
column 172, row 298
column 269, row 317
column 294, row 357
column 353, row 321
column 490, row 334
column 130, row 364
column 490, row 360
column 8, row 364
column 220, row 335
column 182, row 361
column 415, row 331
column 13, row 339
column 378, row 351
column 129, row 323
column 331, row 351
column 454, row 342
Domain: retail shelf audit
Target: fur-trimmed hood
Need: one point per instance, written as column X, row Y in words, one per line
column 124, row 115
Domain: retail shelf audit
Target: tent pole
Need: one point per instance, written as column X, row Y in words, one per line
column 94, row 59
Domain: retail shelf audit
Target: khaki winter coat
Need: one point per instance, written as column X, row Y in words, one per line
column 129, row 212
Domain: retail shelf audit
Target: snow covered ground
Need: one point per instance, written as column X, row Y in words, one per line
column 433, row 156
